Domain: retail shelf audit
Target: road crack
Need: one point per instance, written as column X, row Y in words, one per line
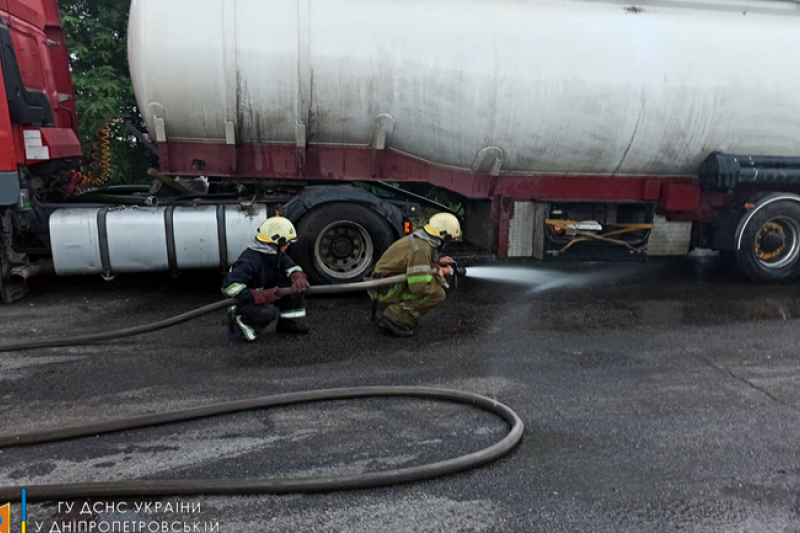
column 735, row 376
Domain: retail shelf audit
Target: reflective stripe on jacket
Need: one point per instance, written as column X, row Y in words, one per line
column 256, row 269
column 414, row 257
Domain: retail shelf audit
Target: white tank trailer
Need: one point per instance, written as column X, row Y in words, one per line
column 560, row 86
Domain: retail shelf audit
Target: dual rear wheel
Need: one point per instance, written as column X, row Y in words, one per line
column 770, row 244
column 341, row 242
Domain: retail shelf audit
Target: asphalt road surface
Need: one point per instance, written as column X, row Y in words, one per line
column 657, row 397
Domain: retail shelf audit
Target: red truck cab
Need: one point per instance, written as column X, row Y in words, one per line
column 38, row 119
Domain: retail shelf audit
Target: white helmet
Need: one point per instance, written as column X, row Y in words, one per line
column 444, row 226
column 277, row 230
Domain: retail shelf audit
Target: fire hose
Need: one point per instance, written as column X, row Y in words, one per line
column 191, row 315
column 142, row 488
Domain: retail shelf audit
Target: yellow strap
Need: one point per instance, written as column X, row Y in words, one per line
column 584, row 236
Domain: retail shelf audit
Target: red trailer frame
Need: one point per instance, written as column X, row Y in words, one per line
column 678, row 196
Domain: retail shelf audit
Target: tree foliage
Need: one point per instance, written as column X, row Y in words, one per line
column 97, row 41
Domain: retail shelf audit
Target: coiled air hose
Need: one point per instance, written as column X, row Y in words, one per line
column 92, row 338
column 100, row 167
column 135, row 489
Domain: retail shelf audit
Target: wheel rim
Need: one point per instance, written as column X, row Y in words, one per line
column 777, row 242
column 343, row 250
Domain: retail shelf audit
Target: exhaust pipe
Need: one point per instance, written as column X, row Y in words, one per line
column 14, row 286
column 20, row 275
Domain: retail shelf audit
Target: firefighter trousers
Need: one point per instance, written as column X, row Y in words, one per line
column 405, row 308
column 250, row 320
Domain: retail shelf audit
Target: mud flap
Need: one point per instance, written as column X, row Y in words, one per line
column 9, row 290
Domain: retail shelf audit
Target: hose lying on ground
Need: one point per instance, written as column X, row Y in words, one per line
column 142, row 488
column 186, row 317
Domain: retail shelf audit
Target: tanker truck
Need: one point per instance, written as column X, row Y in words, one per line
column 563, row 129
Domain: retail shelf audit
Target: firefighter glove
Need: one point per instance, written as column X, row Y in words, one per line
column 300, row 282
column 265, row 296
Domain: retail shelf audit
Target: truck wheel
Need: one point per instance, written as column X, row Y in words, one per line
column 341, row 242
column 770, row 250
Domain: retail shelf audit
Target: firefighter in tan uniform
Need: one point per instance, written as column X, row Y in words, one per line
column 417, row 256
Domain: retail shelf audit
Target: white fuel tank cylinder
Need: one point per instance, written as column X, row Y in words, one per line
column 123, row 240
column 560, row 86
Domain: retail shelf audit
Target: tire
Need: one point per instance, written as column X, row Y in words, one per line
column 341, row 242
column 770, row 251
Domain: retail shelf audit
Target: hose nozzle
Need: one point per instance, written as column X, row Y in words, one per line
column 458, row 270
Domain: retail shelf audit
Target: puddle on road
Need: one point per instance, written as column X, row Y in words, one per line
column 666, row 312
column 562, row 314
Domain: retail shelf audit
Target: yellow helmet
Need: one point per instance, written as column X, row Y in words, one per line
column 277, row 230
column 444, row 226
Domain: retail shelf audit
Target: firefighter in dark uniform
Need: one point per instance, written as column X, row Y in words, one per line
column 417, row 256
column 256, row 277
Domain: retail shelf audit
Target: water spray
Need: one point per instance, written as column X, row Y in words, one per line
column 539, row 280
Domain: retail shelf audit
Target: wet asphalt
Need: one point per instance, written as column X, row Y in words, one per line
column 657, row 397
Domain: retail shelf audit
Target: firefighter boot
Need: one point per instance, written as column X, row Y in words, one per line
column 297, row 326
column 394, row 329
column 234, row 332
